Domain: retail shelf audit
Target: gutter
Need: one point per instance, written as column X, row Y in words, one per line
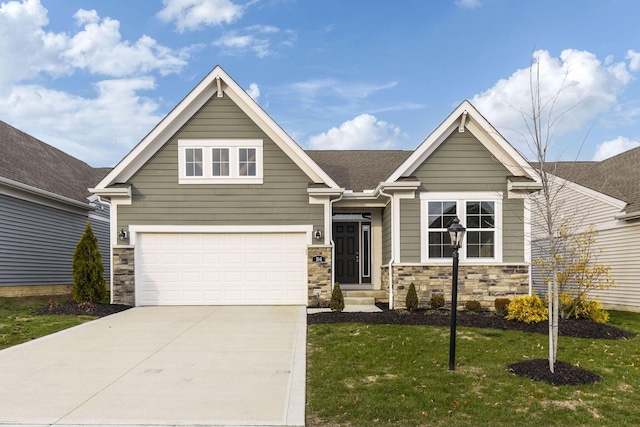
column 44, row 193
column 628, row 216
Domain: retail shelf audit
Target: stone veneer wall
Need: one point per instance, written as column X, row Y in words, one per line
column 480, row 283
column 319, row 276
column 124, row 276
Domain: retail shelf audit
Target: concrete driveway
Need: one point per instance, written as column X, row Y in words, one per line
column 162, row 366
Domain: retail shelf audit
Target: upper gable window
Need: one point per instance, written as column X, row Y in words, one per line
column 220, row 161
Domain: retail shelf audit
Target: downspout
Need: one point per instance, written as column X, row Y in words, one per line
column 331, row 242
column 391, row 260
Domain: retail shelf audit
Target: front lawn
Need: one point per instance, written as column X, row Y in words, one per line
column 19, row 323
column 369, row 375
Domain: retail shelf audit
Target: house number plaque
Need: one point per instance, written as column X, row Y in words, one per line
column 319, row 258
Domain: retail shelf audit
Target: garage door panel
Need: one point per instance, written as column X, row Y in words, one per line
column 254, row 268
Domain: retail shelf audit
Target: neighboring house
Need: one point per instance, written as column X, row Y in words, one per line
column 44, row 208
column 218, row 205
column 606, row 194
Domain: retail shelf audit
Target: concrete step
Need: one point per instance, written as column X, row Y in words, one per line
column 366, row 294
column 359, row 301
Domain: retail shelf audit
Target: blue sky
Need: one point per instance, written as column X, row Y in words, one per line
column 93, row 77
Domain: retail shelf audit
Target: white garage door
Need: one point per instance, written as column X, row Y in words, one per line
column 221, row 269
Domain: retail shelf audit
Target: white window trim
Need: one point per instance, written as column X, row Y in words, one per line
column 461, row 199
column 234, row 145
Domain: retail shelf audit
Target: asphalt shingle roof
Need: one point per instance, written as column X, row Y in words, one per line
column 30, row 161
column 617, row 176
column 359, row 170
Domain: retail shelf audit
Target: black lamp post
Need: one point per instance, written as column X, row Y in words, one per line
column 456, row 232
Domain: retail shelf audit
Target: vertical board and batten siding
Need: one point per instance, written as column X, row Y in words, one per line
column 282, row 199
column 37, row 243
column 461, row 163
column 617, row 239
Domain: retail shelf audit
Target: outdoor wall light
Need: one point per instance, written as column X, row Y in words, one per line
column 317, row 234
column 456, row 232
column 123, row 234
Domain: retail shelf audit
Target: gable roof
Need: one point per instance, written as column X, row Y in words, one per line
column 218, row 83
column 359, row 170
column 467, row 117
column 29, row 163
column 617, row 176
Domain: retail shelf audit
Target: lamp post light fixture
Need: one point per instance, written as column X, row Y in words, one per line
column 456, row 232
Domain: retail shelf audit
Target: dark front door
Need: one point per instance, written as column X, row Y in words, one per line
column 347, row 245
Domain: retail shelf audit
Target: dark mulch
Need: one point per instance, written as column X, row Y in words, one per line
column 97, row 310
column 564, row 373
column 568, row 327
column 537, row 369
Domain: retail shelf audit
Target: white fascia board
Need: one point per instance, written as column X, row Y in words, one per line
column 111, row 192
column 397, row 186
column 617, row 203
column 482, row 130
column 251, row 108
column 164, row 130
column 188, row 107
column 628, row 216
column 325, row 191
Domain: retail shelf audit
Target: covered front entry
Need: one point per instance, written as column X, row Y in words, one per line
column 352, row 241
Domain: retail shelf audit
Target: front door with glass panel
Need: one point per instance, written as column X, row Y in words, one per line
column 352, row 252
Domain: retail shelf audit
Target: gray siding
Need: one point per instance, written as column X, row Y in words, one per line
column 99, row 220
column 282, row 199
column 462, row 163
column 37, row 243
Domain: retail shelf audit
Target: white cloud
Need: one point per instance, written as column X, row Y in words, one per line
column 616, row 146
column 468, row 4
column 98, row 130
column 258, row 39
column 100, row 49
column 584, row 86
column 190, row 15
column 364, row 132
column 634, row 60
column 254, row 91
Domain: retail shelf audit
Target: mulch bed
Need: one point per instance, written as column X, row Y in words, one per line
column 537, row 369
column 97, row 310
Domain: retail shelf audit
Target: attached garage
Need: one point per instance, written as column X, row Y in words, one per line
column 221, row 268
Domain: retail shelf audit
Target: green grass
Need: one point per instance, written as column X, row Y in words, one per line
column 18, row 324
column 386, row 375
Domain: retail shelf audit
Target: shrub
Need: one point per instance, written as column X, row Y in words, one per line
column 582, row 308
column 436, row 302
column 473, row 305
column 88, row 272
column 412, row 298
column 337, row 300
column 501, row 305
column 527, row 309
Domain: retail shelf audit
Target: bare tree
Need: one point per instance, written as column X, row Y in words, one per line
column 542, row 121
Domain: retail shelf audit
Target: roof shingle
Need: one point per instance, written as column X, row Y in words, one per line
column 30, row 161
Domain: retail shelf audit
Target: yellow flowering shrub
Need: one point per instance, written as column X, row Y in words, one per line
column 527, row 309
column 582, row 308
